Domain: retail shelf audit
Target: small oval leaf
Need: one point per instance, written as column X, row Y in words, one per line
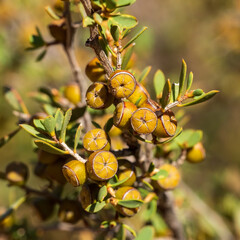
column 49, row 147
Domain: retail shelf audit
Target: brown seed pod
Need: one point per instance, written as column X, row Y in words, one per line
column 75, row 172
column 196, row 153
column 126, row 169
column 70, row 211
column 98, row 97
column 102, row 165
column 95, row 140
column 73, row 93
column 166, row 125
column 122, row 84
column 171, row 181
column 144, row 121
column 95, row 71
column 139, row 96
column 127, row 193
column 17, row 173
column 123, row 113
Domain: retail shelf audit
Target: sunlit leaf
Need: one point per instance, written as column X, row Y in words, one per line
column 102, row 193
column 77, row 137
column 59, row 121
column 127, row 57
column 182, row 78
column 88, row 21
column 166, row 96
column 161, row 174
column 49, row 123
column 123, row 21
column 51, row 13
column 133, row 203
column 66, row 120
column 189, row 81
column 95, row 207
column 159, row 82
column 144, row 73
column 47, row 147
column 145, row 233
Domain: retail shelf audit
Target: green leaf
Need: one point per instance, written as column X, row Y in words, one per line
column 189, row 138
column 139, row 33
column 77, row 137
column 115, row 32
column 145, row 233
column 102, row 193
column 133, row 203
column 127, row 57
column 147, row 184
column 8, row 137
column 159, row 224
column 159, row 82
column 129, row 229
column 66, row 120
column 151, row 167
column 182, row 78
column 47, row 147
column 51, row 13
column 121, row 233
column 14, row 99
column 88, row 22
column 49, row 109
column 41, row 55
column 82, row 9
column 175, row 91
column 49, row 123
column 189, row 81
column 151, row 210
column 95, row 207
column 39, row 125
column 204, row 97
column 123, row 21
column 96, row 125
column 198, row 92
column 166, row 96
column 144, row 73
column 161, row 174
column 112, row 4
column 59, row 121
column 108, row 125
column 116, row 184
column 97, row 18
column 112, row 181
column 178, row 132
column 36, row 40
column 35, row 133
column 78, row 112
column 13, row 207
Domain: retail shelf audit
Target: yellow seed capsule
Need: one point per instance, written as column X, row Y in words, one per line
column 70, row 211
column 17, row 173
column 95, row 140
column 150, row 104
column 95, row 71
column 123, row 113
column 139, row 96
column 72, row 93
column 126, row 170
column 196, row 154
column 75, row 172
column 127, row 193
column 172, row 180
column 122, row 84
column 166, row 126
column 88, row 194
column 98, row 97
column 102, row 165
column 144, row 121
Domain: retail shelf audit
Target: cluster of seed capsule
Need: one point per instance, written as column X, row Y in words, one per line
column 135, row 110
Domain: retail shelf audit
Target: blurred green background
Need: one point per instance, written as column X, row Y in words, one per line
column 205, row 33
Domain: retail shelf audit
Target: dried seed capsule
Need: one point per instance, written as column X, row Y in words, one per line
column 88, row 194
column 171, row 181
column 17, row 173
column 126, row 170
column 95, row 140
column 102, row 165
column 196, row 154
column 72, row 93
column 46, row 157
column 122, row 84
column 150, row 104
column 139, row 96
column 127, row 193
column 123, row 113
column 75, row 172
column 70, row 211
column 144, row 121
column 95, row 71
column 58, row 30
column 98, row 97
column 166, row 125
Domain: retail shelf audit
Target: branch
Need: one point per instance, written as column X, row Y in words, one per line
column 167, row 211
column 93, row 41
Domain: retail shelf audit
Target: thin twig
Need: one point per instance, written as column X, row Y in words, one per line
column 119, row 57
